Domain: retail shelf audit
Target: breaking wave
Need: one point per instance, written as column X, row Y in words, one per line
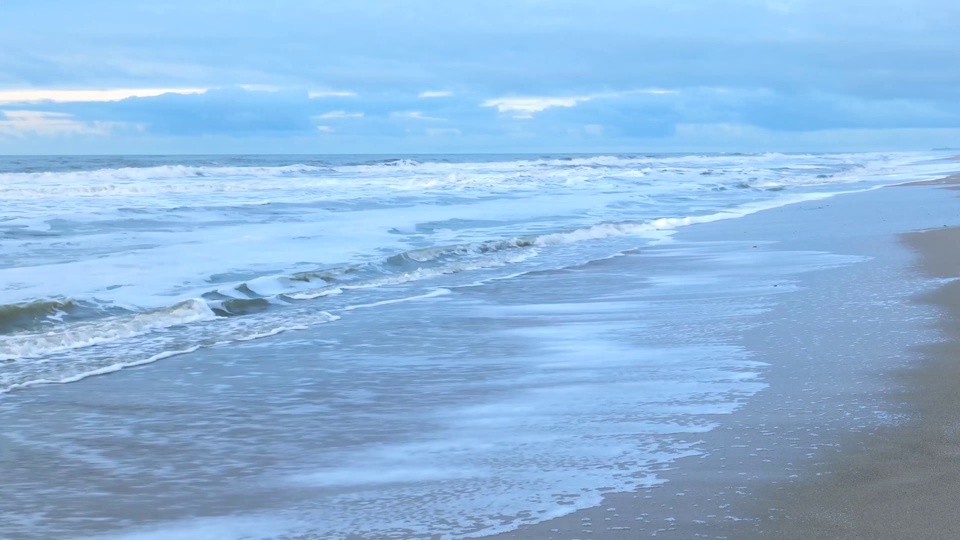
column 84, row 334
column 82, row 329
column 277, row 292
column 412, row 174
column 27, row 315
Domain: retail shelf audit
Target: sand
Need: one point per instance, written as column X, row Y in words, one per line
column 906, row 482
column 953, row 180
column 898, row 481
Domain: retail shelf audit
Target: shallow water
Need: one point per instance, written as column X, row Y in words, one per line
column 390, row 348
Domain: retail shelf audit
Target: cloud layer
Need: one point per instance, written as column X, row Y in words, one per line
column 431, row 76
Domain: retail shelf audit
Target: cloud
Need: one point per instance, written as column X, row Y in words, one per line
column 222, row 111
column 466, row 122
column 319, row 94
column 50, row 124
column 339, row 114
column 434, row 94
column 261, row 87
column 415, row 115
column 524, row 72
column 72, row 96
column 525, row 107
column 895, row 48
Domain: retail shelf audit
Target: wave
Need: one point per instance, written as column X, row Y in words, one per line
column 84, row 334
column 278, row 292
column 164, row 171
column 75, row 365
column 221, row 316
column 267, row 293
column 431, row 294
column 79, row 372
column 94, row 372
column 218, row 186
column 697, row 161
column 28, row 315
column 425, row 263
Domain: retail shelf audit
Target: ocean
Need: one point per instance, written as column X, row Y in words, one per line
column 378, row 346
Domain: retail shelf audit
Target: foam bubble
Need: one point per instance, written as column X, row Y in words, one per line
column 98, row 371
column 86, row 334
column 431, row 294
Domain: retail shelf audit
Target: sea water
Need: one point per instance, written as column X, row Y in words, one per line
column 426, row 346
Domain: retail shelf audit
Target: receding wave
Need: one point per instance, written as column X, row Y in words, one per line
column 42, row 373
column 79, row 376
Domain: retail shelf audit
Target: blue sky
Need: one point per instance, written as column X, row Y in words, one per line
column 389, row 76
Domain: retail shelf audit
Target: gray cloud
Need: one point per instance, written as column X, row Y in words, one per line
column 783, row 65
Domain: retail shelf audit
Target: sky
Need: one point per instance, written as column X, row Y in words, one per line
column 444, row 76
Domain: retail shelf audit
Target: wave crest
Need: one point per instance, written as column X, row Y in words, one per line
column 84, row 334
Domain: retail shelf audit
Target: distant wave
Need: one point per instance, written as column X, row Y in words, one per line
column 162, row 171
column 759, row 171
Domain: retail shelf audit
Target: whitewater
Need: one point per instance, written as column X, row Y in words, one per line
column 448, row 303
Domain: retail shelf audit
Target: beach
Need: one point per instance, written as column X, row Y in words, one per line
column 900, row 483
column 893, row 479
column 630, row 347
column 505, row 270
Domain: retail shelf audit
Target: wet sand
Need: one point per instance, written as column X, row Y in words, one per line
column 906, row 481
column 952, row 181
column 898, row 479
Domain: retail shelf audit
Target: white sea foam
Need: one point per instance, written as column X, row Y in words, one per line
column 314, row 295
column 344, row 181
column 431, row 294
column 144, row 238
column 39, row 372
column 591, row 376
column 278, row 330
column 86, row 334
column 159, row 172
column 112, row 368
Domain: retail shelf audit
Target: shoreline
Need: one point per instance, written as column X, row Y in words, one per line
column 889, row 480
column 951, row 181
column 904, row 482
